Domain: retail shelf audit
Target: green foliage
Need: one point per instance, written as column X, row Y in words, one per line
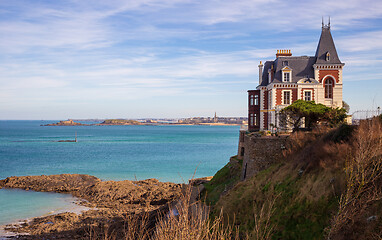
column 223, row 180
column 303, row 218
column 334, row 116
column 312, row 113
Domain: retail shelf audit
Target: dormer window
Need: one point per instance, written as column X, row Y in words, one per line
column 286, row 74
column 286, row 77
column 327, row 56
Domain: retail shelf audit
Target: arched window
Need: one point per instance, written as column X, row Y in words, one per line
column 329, row 88
column 327, row 56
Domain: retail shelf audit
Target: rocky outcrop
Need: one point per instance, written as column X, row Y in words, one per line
column 69, row 122
column 63, row 183
column 128, row 195
column 114, row 200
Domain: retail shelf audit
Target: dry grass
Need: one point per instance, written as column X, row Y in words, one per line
column 363, row 181
column 190, row 220
column 187, row 220
column 263, row 228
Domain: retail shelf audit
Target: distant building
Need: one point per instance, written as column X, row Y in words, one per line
column 288, row 78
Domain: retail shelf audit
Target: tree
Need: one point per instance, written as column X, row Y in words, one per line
column 312, row 113
column 335, row 116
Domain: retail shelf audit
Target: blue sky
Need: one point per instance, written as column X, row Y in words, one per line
column 170, row 58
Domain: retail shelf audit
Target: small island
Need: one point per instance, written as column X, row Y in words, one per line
column 69, row 122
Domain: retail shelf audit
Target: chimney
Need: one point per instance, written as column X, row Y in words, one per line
column 260, row 72
column 283, row 53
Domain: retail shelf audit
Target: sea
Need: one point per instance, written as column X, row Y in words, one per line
column 167, row 152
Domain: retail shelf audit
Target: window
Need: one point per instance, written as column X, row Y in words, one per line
column 286, row 76
column 251, row 100
column 256, row 100
column 329, row 88
column 253, row 119
column 308, row 96
column 327, row 56
column 286, row 97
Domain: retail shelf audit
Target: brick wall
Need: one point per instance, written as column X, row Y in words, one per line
column 324, row 73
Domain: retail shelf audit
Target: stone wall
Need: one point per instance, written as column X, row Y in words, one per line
column 260, row 152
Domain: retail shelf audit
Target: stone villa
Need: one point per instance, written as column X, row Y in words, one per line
column 288, row 78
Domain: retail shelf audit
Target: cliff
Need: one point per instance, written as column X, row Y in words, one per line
column 327, row 184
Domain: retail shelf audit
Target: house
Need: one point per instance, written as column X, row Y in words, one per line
column 288, row 78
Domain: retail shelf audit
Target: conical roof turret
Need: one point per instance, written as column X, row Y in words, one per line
column 326, row 52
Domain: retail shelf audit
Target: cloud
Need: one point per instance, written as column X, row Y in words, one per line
column 364, row 41
column 121, row 51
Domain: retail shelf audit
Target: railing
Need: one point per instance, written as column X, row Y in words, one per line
column 365, row 114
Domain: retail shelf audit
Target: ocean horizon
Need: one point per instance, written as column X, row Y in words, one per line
column 167, row 153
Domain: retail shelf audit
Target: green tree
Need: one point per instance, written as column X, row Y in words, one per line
column 335, row 116
column 312, row 113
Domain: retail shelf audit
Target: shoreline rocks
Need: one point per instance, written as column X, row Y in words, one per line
column 113, row 199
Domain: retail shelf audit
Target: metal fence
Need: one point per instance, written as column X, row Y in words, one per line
column 365, row 114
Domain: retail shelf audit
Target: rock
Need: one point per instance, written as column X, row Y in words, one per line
column 69, row 122
column 113, row 200
column 52, row 183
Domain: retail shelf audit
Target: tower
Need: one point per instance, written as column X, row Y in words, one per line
column 328, row 70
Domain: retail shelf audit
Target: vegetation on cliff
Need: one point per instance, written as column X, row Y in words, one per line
column 328, row 185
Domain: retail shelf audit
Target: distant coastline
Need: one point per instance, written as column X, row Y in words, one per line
column 232, row 121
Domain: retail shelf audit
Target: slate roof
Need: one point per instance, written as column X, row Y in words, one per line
column 302, row 66
column 326, row 44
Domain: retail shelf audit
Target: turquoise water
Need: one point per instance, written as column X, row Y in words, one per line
column 168, row 153
column 17, row 204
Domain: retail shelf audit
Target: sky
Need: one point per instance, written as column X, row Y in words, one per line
column 171, row 58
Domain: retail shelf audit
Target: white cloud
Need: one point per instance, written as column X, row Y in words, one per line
column 125, row 50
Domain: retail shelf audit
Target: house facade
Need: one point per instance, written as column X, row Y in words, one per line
column 289, row 78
